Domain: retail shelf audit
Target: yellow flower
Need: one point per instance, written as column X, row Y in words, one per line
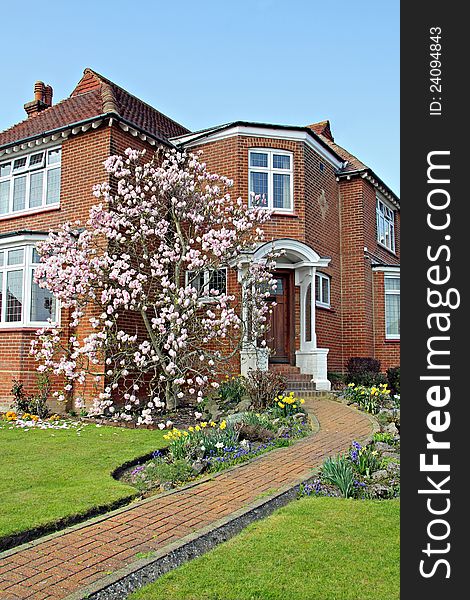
column 294, row 406
column 197, row 428
column 280, row 404
column 204, row 424
column 34, row 417
column 213, row 424
column 302, row 401
column 11, row 415
column 223, row 425
column 191, row 428
column 351, row 385
column 185, row 433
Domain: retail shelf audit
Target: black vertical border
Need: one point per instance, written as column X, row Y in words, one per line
column 422, row 133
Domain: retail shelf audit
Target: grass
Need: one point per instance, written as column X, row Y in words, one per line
column 314, row 548
column 48, row 475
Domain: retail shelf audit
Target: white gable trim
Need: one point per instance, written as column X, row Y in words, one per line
column 263, row 132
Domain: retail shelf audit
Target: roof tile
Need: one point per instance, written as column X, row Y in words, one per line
column 94, row 95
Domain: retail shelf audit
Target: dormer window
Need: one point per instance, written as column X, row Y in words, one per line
column 271, row 179
column 385, row 225
column 30, row 182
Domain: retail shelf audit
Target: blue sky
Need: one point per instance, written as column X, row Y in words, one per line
column 203, row 63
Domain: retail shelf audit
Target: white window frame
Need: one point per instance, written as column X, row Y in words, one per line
column 385, row 222
column 28, row 171
column 28, row 267
column 205, row 291
column 391, row 336
column 322, row 279
column 270, row 170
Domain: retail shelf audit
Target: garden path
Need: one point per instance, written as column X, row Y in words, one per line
column 64, row 563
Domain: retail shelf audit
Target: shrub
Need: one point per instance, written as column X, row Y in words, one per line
column 263, row 386
column 393, row 379
column 34, row 405
column 359, row 364
column 21, row 399
column 364, row 371
column 337, row 380
column 338, row 471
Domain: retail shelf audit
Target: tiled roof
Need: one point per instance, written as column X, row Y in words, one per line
column 93, row 96
column 322, row 129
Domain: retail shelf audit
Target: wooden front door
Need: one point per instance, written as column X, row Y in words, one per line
column 279, row 334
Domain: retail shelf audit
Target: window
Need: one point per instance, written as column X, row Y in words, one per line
column 392, row 308
column 30, row 182
column 22, row 301
column 209, row 280
column 271, row 178
column 385, row 225
column 322, row 290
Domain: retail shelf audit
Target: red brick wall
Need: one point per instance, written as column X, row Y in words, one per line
column 82, row 158
column 362, row 300
column 387, row 351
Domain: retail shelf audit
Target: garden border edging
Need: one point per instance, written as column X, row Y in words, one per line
column 95, row 515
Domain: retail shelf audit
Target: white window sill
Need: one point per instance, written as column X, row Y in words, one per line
column 392, row 338
column 386, row 248
column 29, row 211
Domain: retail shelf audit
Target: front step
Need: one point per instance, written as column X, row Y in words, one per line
column 283, row 368
column 296, row 381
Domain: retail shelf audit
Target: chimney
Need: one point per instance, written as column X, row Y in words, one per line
column 42, row 99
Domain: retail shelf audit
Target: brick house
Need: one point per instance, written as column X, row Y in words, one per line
column 338, row 223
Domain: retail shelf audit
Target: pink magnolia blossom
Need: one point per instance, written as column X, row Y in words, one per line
column 147, row 244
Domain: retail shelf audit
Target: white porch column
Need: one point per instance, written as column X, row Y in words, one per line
column 310, row 359
column 251, row 357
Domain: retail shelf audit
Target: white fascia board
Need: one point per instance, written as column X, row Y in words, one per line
column 21, row 239
column 391, row 270
column 263, row 132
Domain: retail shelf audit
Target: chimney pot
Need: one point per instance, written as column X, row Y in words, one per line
column 39, row 91
column 42, row 99
column 48, row 92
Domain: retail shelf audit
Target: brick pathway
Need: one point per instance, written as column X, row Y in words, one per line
column 65, row 563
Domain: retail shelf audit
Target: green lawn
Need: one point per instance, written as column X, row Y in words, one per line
column 48, row 474
column 312, row 549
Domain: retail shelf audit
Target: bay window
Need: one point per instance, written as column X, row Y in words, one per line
column 271, row 178
column 392, row 307
column 385, row 225
column 210, row 279
column 22, row 301
column 30, row 182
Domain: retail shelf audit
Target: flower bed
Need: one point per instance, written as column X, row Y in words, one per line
column 373, row 470
column 210, row 446
column 366, row 472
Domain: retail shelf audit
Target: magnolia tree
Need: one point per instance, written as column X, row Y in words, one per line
column 139, row 276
